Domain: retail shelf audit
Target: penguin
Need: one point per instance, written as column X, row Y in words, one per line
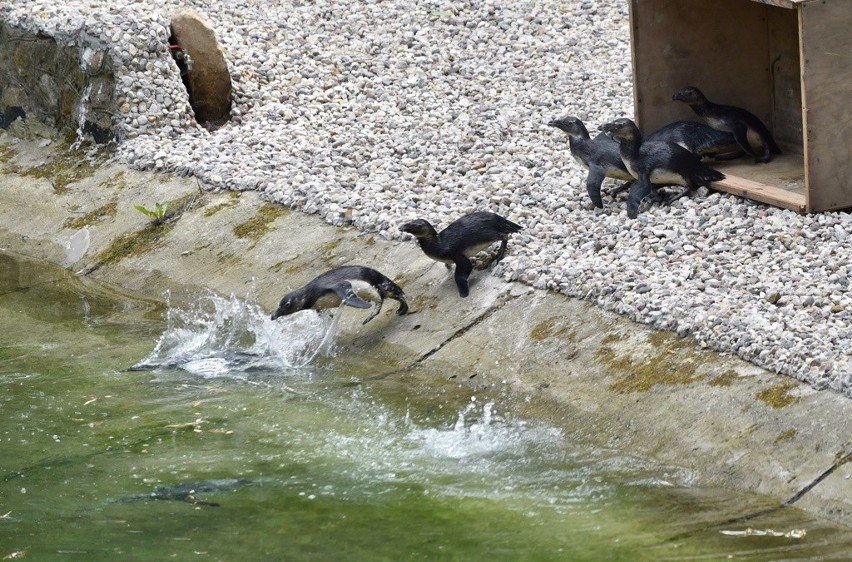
column 749, row 131
column 462, row 239
column 656, row 163
column 702, row 140
column 353, row 285
column 599, row 156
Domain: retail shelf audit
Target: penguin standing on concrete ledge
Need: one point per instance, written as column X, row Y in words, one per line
column 353, row 285
column 656, row 163
column 462, row 239
column 599, row 156
column 749, row 131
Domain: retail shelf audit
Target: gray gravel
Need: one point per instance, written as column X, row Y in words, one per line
column 372, row 113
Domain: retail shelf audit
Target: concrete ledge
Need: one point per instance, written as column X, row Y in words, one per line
column 606, row 379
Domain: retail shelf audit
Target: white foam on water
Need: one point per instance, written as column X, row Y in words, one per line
column 230, row 337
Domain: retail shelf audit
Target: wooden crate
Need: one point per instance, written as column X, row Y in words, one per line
column 787, row 61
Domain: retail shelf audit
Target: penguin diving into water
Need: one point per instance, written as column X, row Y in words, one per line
column 353, row 285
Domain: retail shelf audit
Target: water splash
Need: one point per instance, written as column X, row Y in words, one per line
column 232, row 337
column 81, row 121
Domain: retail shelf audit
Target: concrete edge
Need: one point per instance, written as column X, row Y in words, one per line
column 602, row 377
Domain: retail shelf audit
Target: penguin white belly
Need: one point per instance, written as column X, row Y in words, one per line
column 754, row 139
column 473, row 250
column 665, row 177
column 362, row 290
column 719, row 124
column 365, row 291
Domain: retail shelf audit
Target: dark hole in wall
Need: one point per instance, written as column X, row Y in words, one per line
column 8, row 116
column 180, row 56
column 203, row 69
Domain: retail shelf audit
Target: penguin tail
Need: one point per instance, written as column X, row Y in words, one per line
column 508, row 226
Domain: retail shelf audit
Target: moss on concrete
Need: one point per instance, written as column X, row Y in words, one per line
column 673, row 365
column 610, row 339
column 134, row 243
column 786, row 435
column 778, row 396
column 547, row 329
column 725, row 379
column 261, row 223
column 65, row 168
column 232, row 202
column 117, row 181
column 423, row 302
column 144, row 240
column 7, row 153
column 94, row 216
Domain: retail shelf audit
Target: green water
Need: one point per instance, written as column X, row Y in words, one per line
column 298, row 463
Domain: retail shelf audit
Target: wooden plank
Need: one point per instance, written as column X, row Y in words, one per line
column 826, row 54
column 762, row 192
column 782, row 3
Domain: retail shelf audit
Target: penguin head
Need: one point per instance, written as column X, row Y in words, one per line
column 568, row 124
column 292, row 302
column 419, row 228
column 622, row 128
column 689, row 95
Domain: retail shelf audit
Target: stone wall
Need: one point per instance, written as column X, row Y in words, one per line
column 68, row 88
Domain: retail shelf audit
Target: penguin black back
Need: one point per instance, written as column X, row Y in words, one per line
column 702, row 140
column 463, row 238
column 748, row 130
column 353, row 285
column 599, row 156
column 656, row 163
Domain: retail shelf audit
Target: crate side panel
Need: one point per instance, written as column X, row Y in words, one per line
column 826, row 45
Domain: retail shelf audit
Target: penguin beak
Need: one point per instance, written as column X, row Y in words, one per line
column 558, row 123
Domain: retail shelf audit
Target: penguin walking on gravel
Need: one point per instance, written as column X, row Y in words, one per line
column 353, row 285
column 656, row 163
column 599, row 156
column 702, row 140
column 749, row 131
column 461, row 240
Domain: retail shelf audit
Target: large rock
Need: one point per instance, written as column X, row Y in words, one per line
column 208, row 80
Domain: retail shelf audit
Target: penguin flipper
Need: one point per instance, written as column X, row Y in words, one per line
column 638, row 191
column 740, row 132
column 594, row 179
column 463, row 269
column 347, row 295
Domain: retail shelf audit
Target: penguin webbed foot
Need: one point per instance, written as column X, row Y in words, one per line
column 671, row 198
column 620, row 188
column 403, row 308
column 764, row 158
column 375, row 312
